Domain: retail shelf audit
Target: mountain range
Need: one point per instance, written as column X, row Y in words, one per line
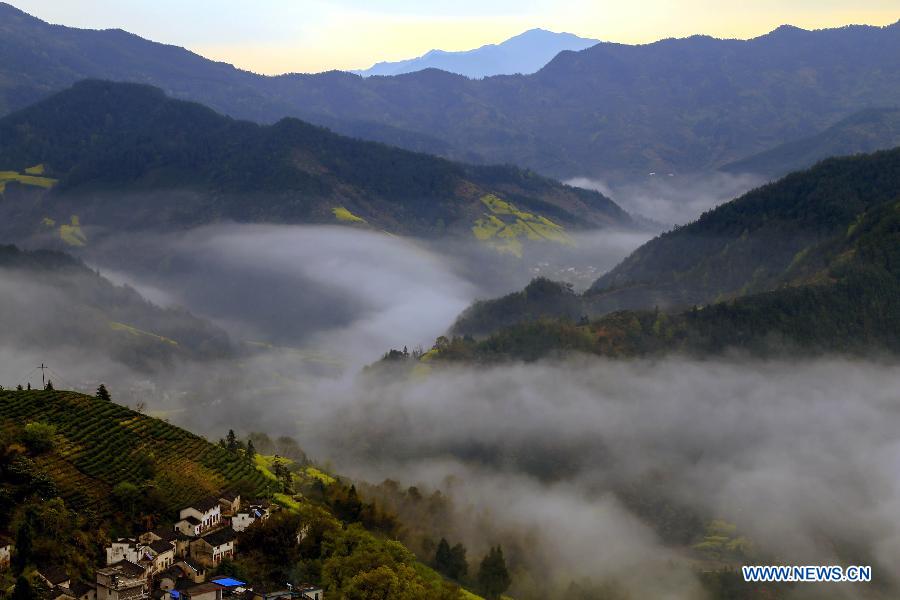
column 524, row 54
column 117, row 157
column 809, row 261
column 612, row 110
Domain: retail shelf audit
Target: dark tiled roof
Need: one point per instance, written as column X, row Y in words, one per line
column 205, row 504
column 80, row 588
column 230, row 496
column 196, row 568
column 220, row 536
column 160, row 546
column 55, row 574
column 127, row 567
column 201, row 588
column 192, row 520
column 167, row 533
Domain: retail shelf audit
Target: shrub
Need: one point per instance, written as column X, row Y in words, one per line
column 39, row 437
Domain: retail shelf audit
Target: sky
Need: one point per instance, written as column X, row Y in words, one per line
column 279, row 36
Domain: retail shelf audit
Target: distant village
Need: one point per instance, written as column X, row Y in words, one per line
column 171, row 563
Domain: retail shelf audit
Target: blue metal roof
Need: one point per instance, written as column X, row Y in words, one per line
column 228, row 582
column 175, row 594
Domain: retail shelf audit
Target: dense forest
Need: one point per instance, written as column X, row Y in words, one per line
column 125, row 156
column 805, row 228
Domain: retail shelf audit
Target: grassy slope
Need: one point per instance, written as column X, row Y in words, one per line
column 98, row 443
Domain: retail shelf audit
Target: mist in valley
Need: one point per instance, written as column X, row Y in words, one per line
column 677, row 199
column 584, row 469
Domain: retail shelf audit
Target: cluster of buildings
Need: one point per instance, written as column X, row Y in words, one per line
column 171, row 563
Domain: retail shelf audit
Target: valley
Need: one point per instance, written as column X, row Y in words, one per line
column 540, row 316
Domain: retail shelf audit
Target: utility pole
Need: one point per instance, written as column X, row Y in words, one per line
column 43, row 368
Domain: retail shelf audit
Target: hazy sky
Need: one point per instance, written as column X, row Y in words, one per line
column 276, row 36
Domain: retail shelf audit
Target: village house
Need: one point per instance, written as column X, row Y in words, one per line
column 230, row 587
column 163, row 554
column 124, row 580
column 54, row 576
column 210, row 549
column 230, row 503
column 5, row 552
column 190, row 526
column 160, row 533
column 124, row 549
column 192, row 570
column 155, row 556
column 83, row 591
column 301, row 592
column 169, row 578
column 174, row 536
column 207, row 512
column 201, row 591
column 311, row 592
column 248, row 516
column 61, row 593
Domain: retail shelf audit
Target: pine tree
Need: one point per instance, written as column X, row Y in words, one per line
column 493, row 576
column 231, row 441
column 442, row 558
column 251, row 452
column 23, row 590
column 459, row 567
column 19, row 388
column 49, row 386
column 103, row 393
column 23, row 549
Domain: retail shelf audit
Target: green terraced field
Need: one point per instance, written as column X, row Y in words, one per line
column 98, row 443
column 32, row 176
column 505, row 226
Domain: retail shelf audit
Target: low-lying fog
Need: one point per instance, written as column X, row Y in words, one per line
column 674, row 199
column 803, row 457
column 348, row 293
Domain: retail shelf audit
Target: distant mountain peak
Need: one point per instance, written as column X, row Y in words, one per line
column 524, row 53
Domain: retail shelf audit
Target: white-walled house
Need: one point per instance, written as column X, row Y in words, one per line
column 124, row 580
column 190, row 526
column 212, row 548
column 230, row 503
column 163, row 555
column 311, row 592
column 207, row 511
column 5, row 553
column 248, row 516
column 125, row 549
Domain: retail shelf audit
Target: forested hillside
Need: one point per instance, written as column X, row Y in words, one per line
column 611, row 110
column 50, row 301
column 866, row 131
column 750, row 244
column 125, row 156
column 808, row 261
column 77, row 471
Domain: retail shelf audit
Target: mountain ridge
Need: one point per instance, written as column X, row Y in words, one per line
column 799, row 233
column 182, row 164
column 524, row 53
column 612, row 110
